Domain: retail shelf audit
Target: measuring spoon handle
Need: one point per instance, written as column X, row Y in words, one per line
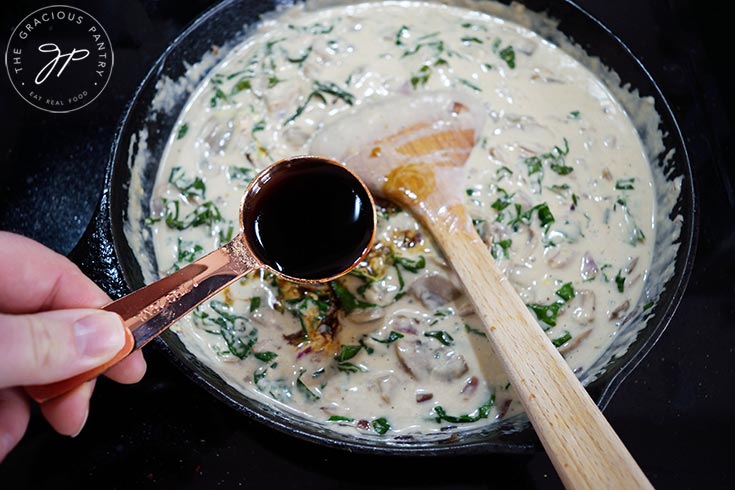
column 152, row 309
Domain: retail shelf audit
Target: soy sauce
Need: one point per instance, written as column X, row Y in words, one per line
column 310, row 220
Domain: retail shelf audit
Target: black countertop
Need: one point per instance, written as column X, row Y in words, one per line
column 676, row 412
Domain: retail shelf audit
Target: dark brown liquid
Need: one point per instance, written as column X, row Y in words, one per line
column 312, row 220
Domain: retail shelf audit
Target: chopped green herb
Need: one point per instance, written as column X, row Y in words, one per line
column 259, row 374
column 302, row 57
column 437, row 46
column 575, row 115
column 240, row 85
column 559, row 341
column 411, row 265
column 479, row 225
column 348, row 367
column 402, row 33
column 421, row 77
column 265, row 356
column 381, row 425
column 392, row 337
column 194, row 187
column 637, row 236
column 560, row 189
column 273, row 81
column 347, row 352
column 474, row 27
column 348, row 300
column 233, row 329
column 309, row 392
column 547, row 313
column 469, row 84
column 366, row 347
column 182, row 131
column 321, row 88
column 204, row 214
column 187, row 251
column 620, row 281
column 340, row 418
column 241, row 174
column 502, row 172
column 300, row 109
column 502, row 202
column 334, row 89
column 482, row 412
column 441, row 336
column 534, row 165
column 544, row 214
column 254, row 303
column 555, row 159
column 471, row 39
column 625, row 184
column 509, row 56
column 475, row 331
column 218, row 95
column 566, row 292
column 314, row 29
column 648, row 306
column 259, row 126
column 500, row 248
column 225, row 236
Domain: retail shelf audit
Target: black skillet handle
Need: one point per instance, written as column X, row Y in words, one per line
column 95, row 252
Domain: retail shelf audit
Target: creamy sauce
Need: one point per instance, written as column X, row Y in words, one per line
column 559, row 187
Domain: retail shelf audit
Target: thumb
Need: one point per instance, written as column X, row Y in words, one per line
column 55, row 345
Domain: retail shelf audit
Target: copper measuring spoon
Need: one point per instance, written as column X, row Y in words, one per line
column 150, row 310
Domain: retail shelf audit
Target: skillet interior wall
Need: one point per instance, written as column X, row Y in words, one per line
column 145, row 146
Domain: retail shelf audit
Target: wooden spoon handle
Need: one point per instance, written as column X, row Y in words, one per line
column 584, row 449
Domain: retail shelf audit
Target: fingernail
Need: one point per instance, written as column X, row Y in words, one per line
column 84, row 422
column 99, row 336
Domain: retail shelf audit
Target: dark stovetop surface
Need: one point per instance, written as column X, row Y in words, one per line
column 676, row 412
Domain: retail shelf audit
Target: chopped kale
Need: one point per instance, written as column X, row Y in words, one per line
column 441, row 336
column 482, row 412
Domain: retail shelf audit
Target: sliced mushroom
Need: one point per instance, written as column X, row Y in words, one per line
column 404, row 324
column 465, row 309
column 269, row 318
column 449, row 365
column 574, row 342
column 366, row 315
column 216, row 135
column 434, row 290
column 619, row 312
column 470, row 386
column 559, row 257
column 295, row 136
column 630, row 266
column 503, row 407
column 414, row 357
column 582, row 307
column 422, row 361
column 387, row 386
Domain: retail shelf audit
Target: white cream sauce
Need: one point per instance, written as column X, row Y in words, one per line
column 559, row 186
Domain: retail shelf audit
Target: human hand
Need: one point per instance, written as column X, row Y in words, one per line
column 50, row 330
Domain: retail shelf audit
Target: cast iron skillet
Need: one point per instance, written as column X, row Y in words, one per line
column 105, row 255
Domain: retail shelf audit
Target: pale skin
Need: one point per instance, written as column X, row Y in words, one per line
column 50, row 330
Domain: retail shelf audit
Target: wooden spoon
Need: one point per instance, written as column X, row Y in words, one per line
column 412, row 150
